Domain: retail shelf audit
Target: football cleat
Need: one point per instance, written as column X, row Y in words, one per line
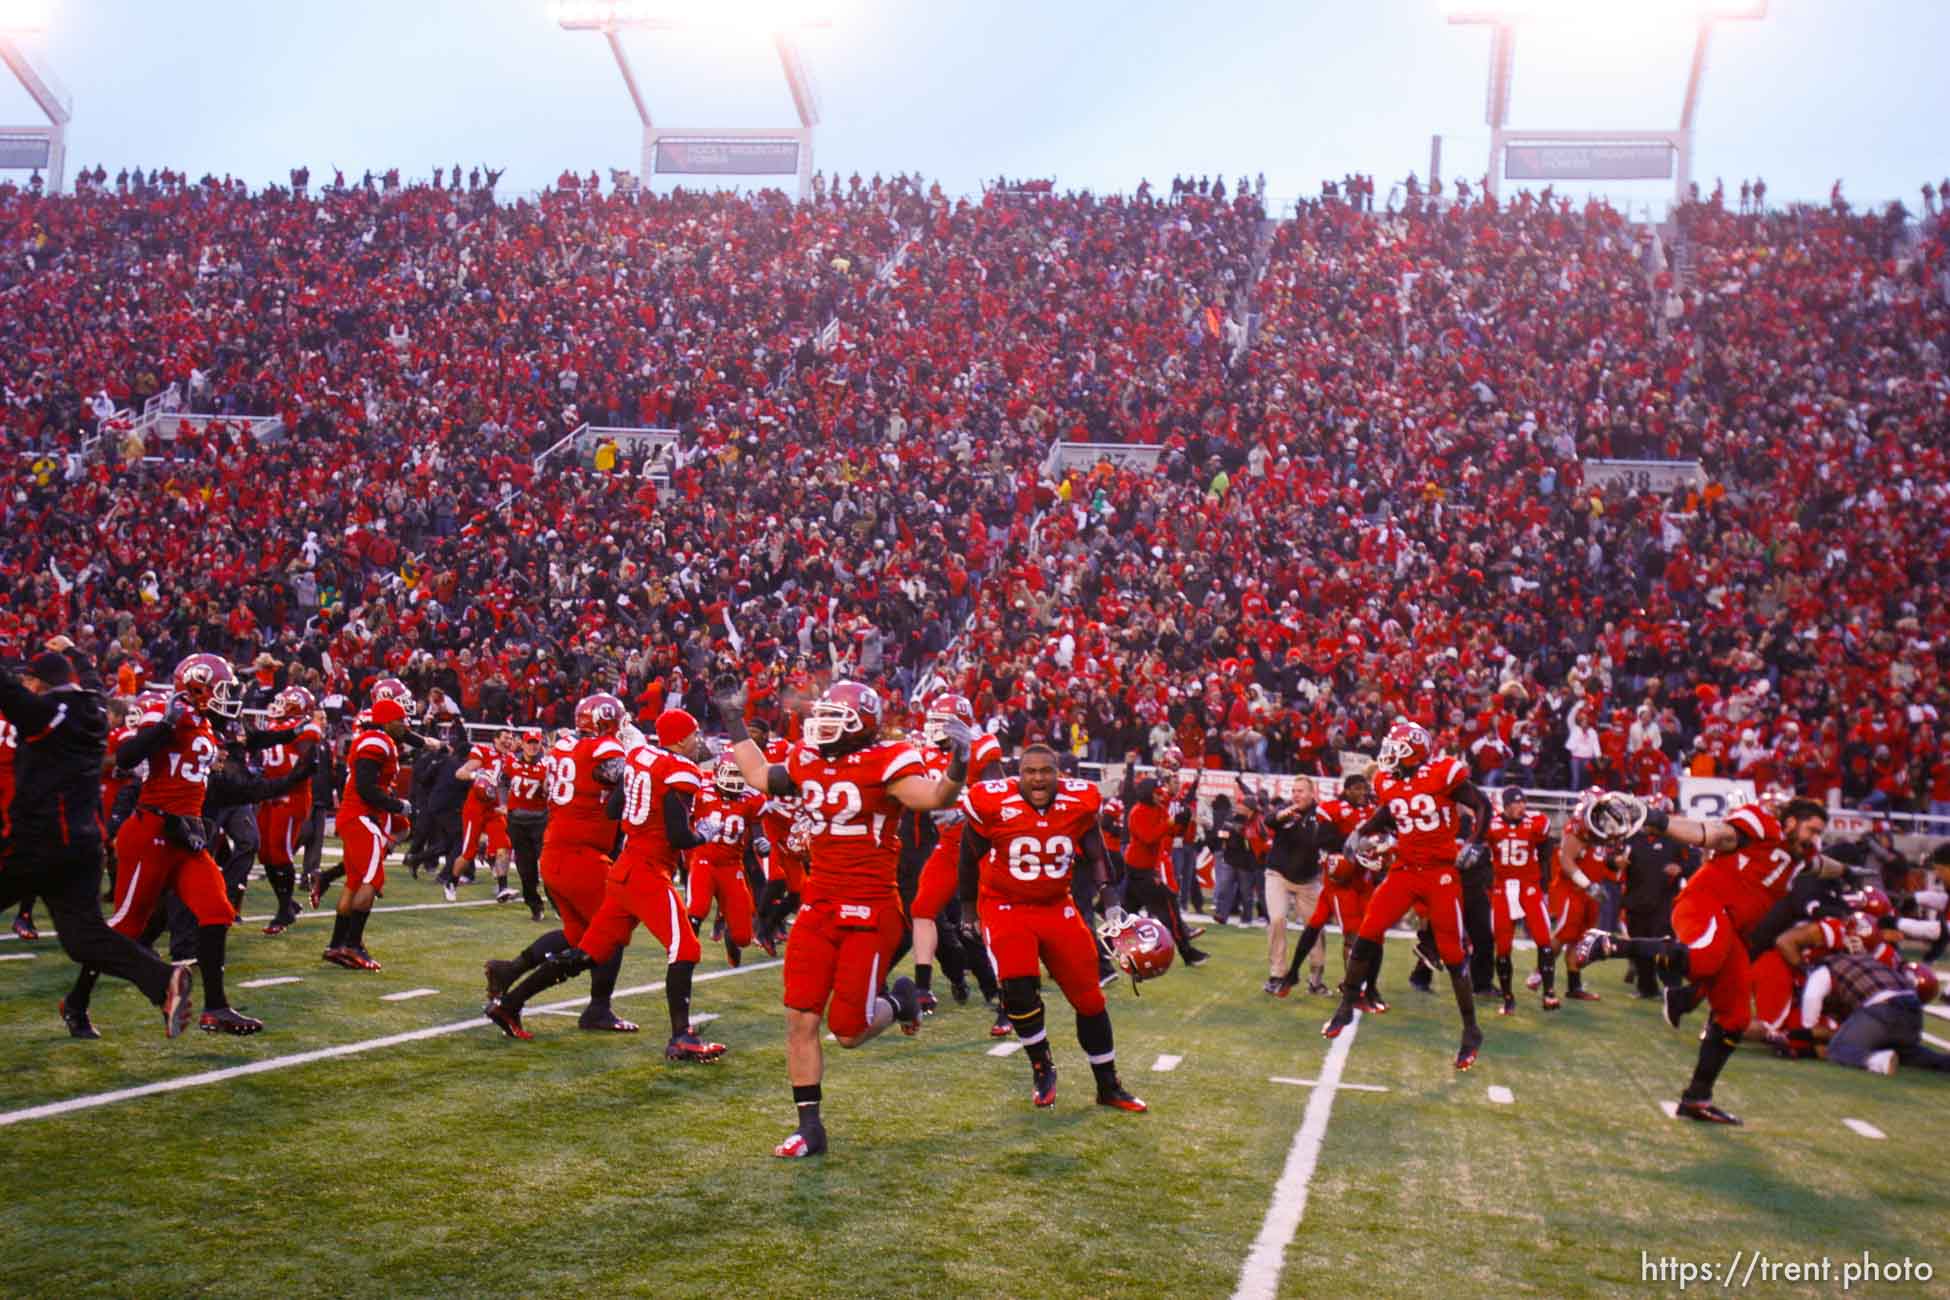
column 535, row 913
column 1106, row 975
column 1596, row 945
column 279, row 924
column 1882, row 1062
column 1316, row 986
column 1472, row 1042
column 340, row 956
column 1193, row 933
column 24, row 928
column 927, row 1000
column 907, row 1005
column 1044, row 1074
column 1371, row 1003
column 501, row 976
column 688, row 1046
column 316, row 886
column 1275, row 986
column 505, row 895
column 1115, row 1097
column 1533, row 981
column 507, row 1017
column 1196, row 956
column 607, row 1021
column 1509, row 1007
column 224, row 1020
column 360, row 959
column 763, row 937
column 733, row 955
column 1675, row 1003
column 1581, row 995
column 1552, row 1002
column 958, row 989
column 448, row 891
column 1343, row 1017
column 78, row 1023
column 806, row 1140
column 1001, row 1028
column 1703, row 1111
column 176, row 1001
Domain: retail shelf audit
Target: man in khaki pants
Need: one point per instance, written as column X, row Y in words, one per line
column 1293, row 881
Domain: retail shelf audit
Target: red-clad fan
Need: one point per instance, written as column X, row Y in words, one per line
column 1418, row 797
column 584, row 781
column 163, row 844
column 1022, row 840
column 1344, row 891
column 853, row 786
column 370, row 818
column 1520, row 854
column 938, row 875
column 1161, row 813
column 1755, row 858
column 281, row 822
column 527, row 784
column 484, row 814
column 717, row 866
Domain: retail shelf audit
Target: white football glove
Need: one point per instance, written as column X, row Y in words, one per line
column 947, row 817
column 1596, row 892
column 959, row 735
column 709, row 826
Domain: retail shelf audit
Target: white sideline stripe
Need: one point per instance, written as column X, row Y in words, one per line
column 407, row 995
column 1006, row 1049
column 17, row 956
column 1671, row 1108
column 1938, row 1011
column 1315, row 1083
column 1942, row 1044
column 271, row 983
column 704, row 1019
column 1862, row 1128
column 1501, row 1095
column 323, row 913
column 1260, row 1278
column 1165, row 1063
column 92, row 1100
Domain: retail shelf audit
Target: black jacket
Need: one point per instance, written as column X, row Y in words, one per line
column 58, row 764
column 1297, row 846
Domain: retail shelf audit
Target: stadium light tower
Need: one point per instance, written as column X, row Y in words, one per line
column 723, row 151
column 1578, row 155
column 42, row 146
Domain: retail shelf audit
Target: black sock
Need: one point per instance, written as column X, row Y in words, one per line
column 984, row 973
column 1465, row 989
column 948, row 952
column 283, row 880
column 1023, row 1001
column 1715, row 1050
column 806, row 1097
column 602, row 983
column 209, row 964
column 83, row 990
column 1547, row 970
column 540, row 951
column 923, row 975
column 1361, row 961
column 328, row 875
column 1374, row 972
column 1094, row 1036
column 677, row 994
column 355, row 931
column 1505, row 970
column 341, row 922
column 1308, row 938
column 562, row 966
column 1573, row 982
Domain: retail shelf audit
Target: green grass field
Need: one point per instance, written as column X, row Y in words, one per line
column 466, row 1164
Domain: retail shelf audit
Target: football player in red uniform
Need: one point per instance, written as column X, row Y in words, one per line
column 1780, row 973
column 164, row 844
column 484, row 814
column 1755, row 860
column 1161, row 813
column 1576, row 894
column 852, row 786
column 1016, row 853
column 527, row 782
column 1417, row 797
column 1520, row 852
column 717, row 866
column 585, row 772
column 370, row 819
column 785, row 865
column 940, row 873
column 1345, row 887
column 281, row 822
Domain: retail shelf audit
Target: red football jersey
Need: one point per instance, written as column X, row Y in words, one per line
column 740, row 819
column 280, row 761
column 487, row 773
column 576, row 797
column 1750, row 880
column 1424, row 808
column 9, row 741
column 649, row 773
column 179, row 772
column 116, row 778
column 1516, row 847
column 986, row 750
column 381, row 748
column 779, row 809
column 1342, row 815
column 527, row 785
column 852, row 821
column 1031, row 852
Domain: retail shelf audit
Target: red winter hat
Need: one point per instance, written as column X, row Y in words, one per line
column 385, row 711
column 674, row 727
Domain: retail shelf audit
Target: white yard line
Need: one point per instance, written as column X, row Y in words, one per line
column 1166, row 1063
column 208, row 1077
column 1862, row 1128
column 1671, row 1109
column 1261, row 1275
column 17, row 956
column 407, row 995
column 1501, row 1095
column 1315, row 1083
column 271, row 983
column 1009, row 1048
column 1941, row 1044
column 1941, row 1012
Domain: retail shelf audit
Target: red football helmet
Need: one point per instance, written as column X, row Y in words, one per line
column 207, row 681
column 943, row 709
column 1172, row 759
column 1871, row 900
column 148, row 706
column 1405, row 747
column 1928, row 987
column 1139, row 946
column 729, row 778
column 845, row 718
column 291, row 704
column 601, row 714
column 1342, row 869
column 1859, row 932
column 392, row 688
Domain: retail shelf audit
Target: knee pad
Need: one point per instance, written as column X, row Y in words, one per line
column 1365, row 949
column 1022, row 995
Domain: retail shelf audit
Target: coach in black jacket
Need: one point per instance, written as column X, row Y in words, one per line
column 55, row 849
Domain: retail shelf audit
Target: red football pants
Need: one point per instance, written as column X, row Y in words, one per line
column 1716, row 957
column 1513, row 900
column 1018, row 934
column 726, row 882
column 1438, row 890
column 940, row 877
column 639, row 894
column 574, row 875
column 146, row 863
column 838, row 957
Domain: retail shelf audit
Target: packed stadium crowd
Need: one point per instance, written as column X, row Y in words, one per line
column 1368, row 499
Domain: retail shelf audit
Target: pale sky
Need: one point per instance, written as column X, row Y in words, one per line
column 1090, row 92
